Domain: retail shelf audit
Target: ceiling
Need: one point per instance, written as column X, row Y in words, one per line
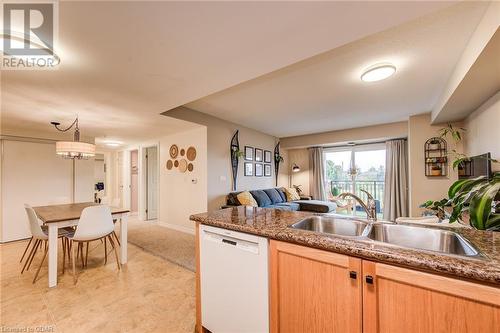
column 123, row 63
column 481, row 82
column 326, row 93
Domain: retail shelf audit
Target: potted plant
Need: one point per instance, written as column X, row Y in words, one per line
column 434, row 144
column 436, row 170
column 476, row 198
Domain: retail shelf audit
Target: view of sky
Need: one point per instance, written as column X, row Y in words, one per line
column 364, row 159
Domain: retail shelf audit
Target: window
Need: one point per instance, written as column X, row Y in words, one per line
column 352, row 169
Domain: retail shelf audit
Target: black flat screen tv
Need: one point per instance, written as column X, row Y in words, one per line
column 479, row 165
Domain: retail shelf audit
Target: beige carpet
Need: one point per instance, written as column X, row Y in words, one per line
column 174, row 246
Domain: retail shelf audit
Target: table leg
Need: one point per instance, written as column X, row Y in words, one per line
column 53, row 231
column 123, row 238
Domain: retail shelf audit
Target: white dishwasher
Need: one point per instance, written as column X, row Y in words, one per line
column 234, row 281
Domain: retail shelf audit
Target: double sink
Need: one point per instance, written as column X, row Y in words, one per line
column 437, row 240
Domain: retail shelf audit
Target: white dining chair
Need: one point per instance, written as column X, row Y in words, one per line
column 95, row 223
column 40, row 238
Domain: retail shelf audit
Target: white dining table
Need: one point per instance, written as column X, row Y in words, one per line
column 60, row 216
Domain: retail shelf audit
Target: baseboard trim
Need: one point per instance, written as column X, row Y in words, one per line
column 177, row 227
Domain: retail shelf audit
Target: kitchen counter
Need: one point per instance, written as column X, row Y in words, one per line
column 274, row 224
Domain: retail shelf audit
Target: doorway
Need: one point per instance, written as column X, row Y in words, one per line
column 134, row 181
column 151, row 182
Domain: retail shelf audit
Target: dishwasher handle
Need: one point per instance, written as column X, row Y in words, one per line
column 241, row 244
column 227, row 241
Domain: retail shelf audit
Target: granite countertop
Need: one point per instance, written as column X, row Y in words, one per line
column 273, row 224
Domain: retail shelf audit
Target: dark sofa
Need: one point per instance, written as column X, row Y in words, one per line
column 276, row 198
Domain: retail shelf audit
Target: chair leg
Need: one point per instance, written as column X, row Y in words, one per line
column 117, row 239
column 33, row 250
column 41, row 263
column 73, row 261
column 64, row 253
column 116, row 252
column 26, row 249
column 87, row 254
column 38, row 244
column 81, row 254
column 105, row 251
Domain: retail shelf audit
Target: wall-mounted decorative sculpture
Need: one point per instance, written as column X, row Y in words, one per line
column 182, row 164
column 277, row 160
column 235, row 157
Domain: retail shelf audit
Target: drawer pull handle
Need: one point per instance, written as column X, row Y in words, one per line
column 369, row 279
column 353, row 275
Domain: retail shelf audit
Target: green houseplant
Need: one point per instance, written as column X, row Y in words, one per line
column 478, row 198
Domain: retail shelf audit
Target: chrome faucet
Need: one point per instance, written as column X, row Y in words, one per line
column 369, row 207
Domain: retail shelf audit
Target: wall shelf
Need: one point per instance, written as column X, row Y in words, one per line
column 436, row 157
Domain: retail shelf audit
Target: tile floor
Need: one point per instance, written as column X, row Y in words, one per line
column 149, row 294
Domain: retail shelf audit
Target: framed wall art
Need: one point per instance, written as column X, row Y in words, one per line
column 259, row 169
column 267, row 170
column 267, row 156
column 248, row 169
column 258, row 155
column 248, row 153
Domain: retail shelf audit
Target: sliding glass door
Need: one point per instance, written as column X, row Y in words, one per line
column 352, row 169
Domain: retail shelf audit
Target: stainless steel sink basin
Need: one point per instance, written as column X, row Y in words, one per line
column 437, row 240
column 331, row 225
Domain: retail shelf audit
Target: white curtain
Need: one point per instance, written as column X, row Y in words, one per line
column 396, row 180
column 316, row 165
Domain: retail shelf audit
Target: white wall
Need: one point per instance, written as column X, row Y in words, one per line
column 483, row 132
column 32, row 173
column 183, row 194
column 219, row 134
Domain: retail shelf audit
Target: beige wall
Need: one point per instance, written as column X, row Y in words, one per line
column 483, row 132
column 424, row 188
column 183, row 194
column 301, row 158
column 33, row 174
column 360, row 134
column 219, row 133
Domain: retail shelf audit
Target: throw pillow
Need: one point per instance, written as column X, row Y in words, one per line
column 261, row 198
column 246, row 199
column 291, row 194
column 273, row 194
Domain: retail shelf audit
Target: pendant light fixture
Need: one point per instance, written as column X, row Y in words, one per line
column 73, row 149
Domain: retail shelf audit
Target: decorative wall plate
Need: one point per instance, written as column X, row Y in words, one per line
column 174, row 151
column 170, row 164
column 183, row 165
column 183, row 152
column 190, row 167
column 191, row 153
column 176, row 163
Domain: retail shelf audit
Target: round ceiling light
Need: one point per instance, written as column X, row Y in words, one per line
column 378, row 72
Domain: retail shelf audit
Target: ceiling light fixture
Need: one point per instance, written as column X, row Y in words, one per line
column 113, row 143
column 73, row 149
column 378, row 72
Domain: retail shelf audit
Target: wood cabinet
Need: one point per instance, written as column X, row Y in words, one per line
column 314, row 290
column 403, row 300
column 319, row 291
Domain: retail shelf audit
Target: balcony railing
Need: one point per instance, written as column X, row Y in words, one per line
column 375, row 188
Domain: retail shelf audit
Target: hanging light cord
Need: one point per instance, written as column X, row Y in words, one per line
column 77, row 130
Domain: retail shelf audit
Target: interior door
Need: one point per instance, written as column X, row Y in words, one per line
column 152, row 182
column 119, row 176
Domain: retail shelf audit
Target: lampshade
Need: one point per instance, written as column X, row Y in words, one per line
column 295, row 168
column 75, row 149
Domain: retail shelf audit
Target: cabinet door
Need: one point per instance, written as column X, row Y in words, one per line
column 402, row 300
column 314, row 290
